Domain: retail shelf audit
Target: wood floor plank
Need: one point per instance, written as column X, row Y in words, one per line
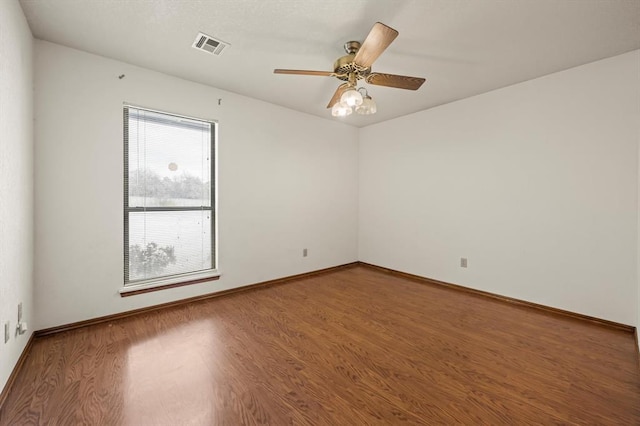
column 355, row 346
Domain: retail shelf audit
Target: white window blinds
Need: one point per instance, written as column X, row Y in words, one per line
column 169, row 183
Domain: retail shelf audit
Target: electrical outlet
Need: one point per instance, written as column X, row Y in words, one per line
column 7, row 331
column 305, row 252
column 19, row 312
column 463, row 262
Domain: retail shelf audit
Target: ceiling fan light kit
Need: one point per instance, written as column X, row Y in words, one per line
column 356, row 65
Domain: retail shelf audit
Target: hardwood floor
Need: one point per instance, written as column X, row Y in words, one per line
column 352, row 347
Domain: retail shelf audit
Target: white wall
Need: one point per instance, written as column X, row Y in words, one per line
column 536, row 184
column 287, row 180
column 16, row 180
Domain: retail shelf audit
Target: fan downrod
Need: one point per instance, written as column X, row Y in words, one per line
column 351, row 47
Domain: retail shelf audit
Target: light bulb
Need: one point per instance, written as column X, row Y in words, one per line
column 351, row 97
column 341, row 109
column 367, row 107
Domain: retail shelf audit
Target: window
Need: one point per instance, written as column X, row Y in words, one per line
column 169, row 198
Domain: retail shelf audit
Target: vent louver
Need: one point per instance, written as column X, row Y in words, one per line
column 209, row 44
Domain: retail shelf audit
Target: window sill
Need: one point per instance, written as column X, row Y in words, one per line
column 169, row 282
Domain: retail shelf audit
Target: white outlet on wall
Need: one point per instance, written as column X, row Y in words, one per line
column 463, row 262
column 7, row 331
column 304, row 252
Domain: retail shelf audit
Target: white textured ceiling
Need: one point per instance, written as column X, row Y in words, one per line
column 462, row 47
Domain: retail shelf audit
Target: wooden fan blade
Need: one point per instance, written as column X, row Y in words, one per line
column 397, row 81
column 336, row 96
column 305, row 72
column 379, row 38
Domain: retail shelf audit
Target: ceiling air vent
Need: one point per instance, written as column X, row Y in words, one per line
column 209, row 44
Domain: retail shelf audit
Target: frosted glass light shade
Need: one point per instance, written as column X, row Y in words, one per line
column 341, row 109
column 367, row 107
column 351, row 97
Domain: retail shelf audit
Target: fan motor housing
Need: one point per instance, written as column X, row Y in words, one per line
column 345, row 66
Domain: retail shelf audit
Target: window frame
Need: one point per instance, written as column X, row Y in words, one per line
column 173, row 280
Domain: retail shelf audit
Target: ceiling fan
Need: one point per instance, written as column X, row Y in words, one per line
column 356, row 65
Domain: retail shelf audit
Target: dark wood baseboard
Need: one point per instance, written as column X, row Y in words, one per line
column 113, row 317
column 417, row 278
column 548, row 309
column 16, row 369
column 637, row 347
